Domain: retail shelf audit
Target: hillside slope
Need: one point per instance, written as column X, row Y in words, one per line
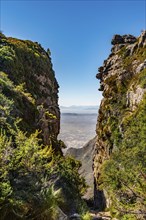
column 85, row 155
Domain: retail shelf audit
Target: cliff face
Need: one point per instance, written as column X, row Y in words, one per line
column 36, row 180
column 123, row 82
column 33, row 90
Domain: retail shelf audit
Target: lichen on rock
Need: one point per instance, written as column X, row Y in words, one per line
column 27, row 63
column 123, row 82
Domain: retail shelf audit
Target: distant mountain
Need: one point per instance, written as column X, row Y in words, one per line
column 85, row 155
column 80, row 109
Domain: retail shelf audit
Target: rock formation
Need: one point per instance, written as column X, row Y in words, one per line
column 123, row 83
column 29, row 67
column 37, row 181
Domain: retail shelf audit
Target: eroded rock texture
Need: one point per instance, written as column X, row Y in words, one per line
column 123, row 82
column 28, row 66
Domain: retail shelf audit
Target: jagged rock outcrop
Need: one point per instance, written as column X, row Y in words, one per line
column 29, row 68
column 123, row 82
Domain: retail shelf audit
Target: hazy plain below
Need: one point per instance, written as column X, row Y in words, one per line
column 78, row 125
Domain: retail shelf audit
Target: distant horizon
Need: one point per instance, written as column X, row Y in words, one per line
column 82, row 109
column 78, row 106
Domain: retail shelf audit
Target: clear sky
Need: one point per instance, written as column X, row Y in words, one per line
column 78, row 34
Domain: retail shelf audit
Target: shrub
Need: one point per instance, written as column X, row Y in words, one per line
column 123, row 176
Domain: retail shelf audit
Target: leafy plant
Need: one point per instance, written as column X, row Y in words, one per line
column 86, row 216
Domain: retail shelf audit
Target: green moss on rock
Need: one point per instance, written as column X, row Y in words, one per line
column 119, row 164
column 29, row 69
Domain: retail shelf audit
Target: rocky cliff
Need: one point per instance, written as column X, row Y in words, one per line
column 34, row 89
column 121, row 126
column 36, row 180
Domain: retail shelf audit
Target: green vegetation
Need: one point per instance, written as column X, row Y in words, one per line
column 28, row 170
column 21, row 60
column 140, row 79
column 13, row 103
column 26, row 78
column 139, row 55
column 24, row 175
column 123, row 176
column 86, row 216
column 36, row 180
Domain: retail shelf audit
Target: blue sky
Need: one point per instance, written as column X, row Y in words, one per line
column 78, row 34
